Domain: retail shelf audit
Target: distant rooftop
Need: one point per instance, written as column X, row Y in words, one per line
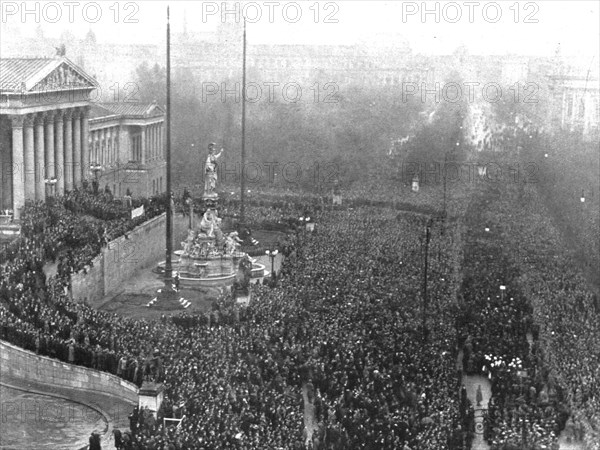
column 126, row 110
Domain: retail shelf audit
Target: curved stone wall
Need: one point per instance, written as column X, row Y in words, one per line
column 16, row 363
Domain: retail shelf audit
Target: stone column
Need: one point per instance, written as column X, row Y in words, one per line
column 114, row 135
column 49, row 147
column 117, row 146
column 6, row 186
column 18, row 180
column 68, row 163
column 103, row 147
column 154, row 140
column 143, row 145
column 59, row 152
column 161, row 152
column 85, row 143
column 40, row 172
column 109, row 147
column 77, row 148
column 157, row 152
column 94, row 148
column 29, row 157
column 149, row 143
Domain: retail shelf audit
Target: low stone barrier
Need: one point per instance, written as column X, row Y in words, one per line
column 24, row 365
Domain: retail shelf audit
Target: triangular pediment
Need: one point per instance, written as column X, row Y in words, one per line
column 154, row 111
column 63, row 74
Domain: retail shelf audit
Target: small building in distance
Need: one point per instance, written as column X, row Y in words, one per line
column 127, row 150
column 576, row 105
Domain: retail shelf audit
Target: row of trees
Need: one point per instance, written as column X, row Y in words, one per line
column 343, row 131
column 565, row 168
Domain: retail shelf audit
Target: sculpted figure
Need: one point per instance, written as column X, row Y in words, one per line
column 208, row 222
column 189, row 242
column 232, row 243
column 210, row 171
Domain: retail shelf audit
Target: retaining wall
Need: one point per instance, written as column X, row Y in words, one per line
column 27, row 366
column 139, row 249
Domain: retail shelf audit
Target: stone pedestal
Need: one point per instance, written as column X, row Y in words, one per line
column 243, row 299
column 415, row 184
column 151, row 395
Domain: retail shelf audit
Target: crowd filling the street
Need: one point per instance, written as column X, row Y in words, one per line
column 377, row 315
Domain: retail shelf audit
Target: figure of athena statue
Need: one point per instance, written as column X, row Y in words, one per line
column 210, row 171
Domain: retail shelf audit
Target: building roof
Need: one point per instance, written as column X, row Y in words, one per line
column 98, row 112
column 134, row 110
column 29, row 74
column 14, row 71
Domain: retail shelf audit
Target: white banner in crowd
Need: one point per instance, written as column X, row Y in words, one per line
column 137, row 212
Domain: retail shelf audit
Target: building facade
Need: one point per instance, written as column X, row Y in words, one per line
column 576, row 105
column 53, row 138
column 127, row 148
column 44, row 123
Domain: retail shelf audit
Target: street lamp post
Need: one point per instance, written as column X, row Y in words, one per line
column 310, row 225
column 272, row 254
column 50, row 186
column 242, row 223
column 502, row 289
column 96, row 168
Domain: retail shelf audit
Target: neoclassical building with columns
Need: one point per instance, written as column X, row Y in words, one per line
column 53, row 136
column 44, row 110
column 126, row 148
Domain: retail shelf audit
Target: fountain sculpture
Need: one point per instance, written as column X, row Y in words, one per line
column 209, row 256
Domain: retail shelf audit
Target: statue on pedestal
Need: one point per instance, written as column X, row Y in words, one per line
column 210, row 171
column 232, row 243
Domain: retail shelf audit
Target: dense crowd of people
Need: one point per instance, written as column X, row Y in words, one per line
column 499, row 338
column 567, row 312
column 265, row 353
column 352, row 322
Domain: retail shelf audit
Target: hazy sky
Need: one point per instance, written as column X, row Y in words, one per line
column 528, row 28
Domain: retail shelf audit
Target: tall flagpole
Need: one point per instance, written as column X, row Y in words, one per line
column 169, row 233
column 243, row 181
